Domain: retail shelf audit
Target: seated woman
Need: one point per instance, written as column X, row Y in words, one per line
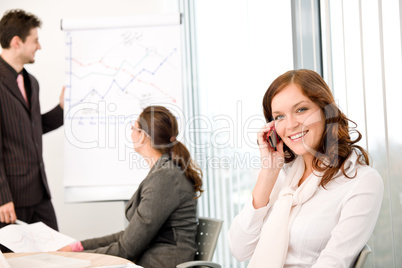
column 316, row 200
column 162, row 212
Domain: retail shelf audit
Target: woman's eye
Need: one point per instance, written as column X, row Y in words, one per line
column 278, row 117
column 301, row 110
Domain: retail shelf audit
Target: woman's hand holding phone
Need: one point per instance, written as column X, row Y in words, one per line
column 272, row 138
column 271, row 147
column 271, row 164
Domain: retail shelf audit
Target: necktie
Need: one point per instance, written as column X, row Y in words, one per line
column 20, row 82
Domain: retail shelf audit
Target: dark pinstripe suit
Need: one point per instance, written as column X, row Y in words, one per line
column 22, row 174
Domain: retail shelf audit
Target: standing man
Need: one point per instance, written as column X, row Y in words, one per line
column 24, row 191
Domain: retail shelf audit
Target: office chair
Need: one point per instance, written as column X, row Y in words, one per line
column 361, row 259
column 207, row 236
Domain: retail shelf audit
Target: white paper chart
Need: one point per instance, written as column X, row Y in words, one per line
column 35, row 237
column 111, row 75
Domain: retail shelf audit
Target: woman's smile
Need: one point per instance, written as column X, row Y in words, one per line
column 298, row 120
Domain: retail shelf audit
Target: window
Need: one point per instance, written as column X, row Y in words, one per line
column 241, row 47
column 363, row 56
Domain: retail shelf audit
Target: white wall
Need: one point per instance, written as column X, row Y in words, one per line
column 84, row 220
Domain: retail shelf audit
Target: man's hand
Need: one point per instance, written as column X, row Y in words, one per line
column 7, row 213
column 62, row 98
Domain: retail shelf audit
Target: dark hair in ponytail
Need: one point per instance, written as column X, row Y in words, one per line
column 161, row 125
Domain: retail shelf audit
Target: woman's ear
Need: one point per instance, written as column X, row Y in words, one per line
column 144, row 138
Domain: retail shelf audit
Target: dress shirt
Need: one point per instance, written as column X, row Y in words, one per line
column 27, row 81
column 331, row 228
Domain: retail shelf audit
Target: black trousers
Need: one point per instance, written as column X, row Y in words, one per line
column 43, row 212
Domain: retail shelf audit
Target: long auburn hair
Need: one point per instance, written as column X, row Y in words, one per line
column 161, row 125
column 336, row 144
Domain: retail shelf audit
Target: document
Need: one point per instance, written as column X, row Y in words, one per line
column 45, row 260
column 3, row 261
column 128, row 265
column 35, row 237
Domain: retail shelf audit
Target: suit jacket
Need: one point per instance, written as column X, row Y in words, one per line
column 22, row 173
column 162, row 221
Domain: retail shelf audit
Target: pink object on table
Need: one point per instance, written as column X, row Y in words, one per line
column 76, row 246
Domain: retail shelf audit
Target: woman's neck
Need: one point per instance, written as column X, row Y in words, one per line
column 308, row 167
column 151, row 157
column 308, row 161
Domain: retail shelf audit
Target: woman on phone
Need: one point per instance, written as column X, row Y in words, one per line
column 162, row 212
column 316, row 200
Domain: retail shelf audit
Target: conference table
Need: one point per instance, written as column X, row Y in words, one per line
column 97, row 260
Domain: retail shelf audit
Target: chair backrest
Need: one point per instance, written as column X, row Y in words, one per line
column 207, row 236
column 361, row 259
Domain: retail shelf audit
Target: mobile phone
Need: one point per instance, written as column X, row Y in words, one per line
column 272, row 138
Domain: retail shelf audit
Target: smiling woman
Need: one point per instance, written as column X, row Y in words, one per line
column 298, row 121
column 299, row 102
column 316, row 200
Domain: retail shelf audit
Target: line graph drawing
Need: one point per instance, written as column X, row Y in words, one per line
column 129, row 69
column 120, row 69
column 111, row 76
column 36, row 237
column 29, row 237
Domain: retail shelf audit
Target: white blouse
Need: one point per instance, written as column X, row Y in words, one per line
column 330, row 229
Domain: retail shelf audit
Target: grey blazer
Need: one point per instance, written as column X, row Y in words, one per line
column 162, row 221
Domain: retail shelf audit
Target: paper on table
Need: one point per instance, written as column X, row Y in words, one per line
column 35, row 237
column 3, row 261
column 45, row 260
column 127, row 265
